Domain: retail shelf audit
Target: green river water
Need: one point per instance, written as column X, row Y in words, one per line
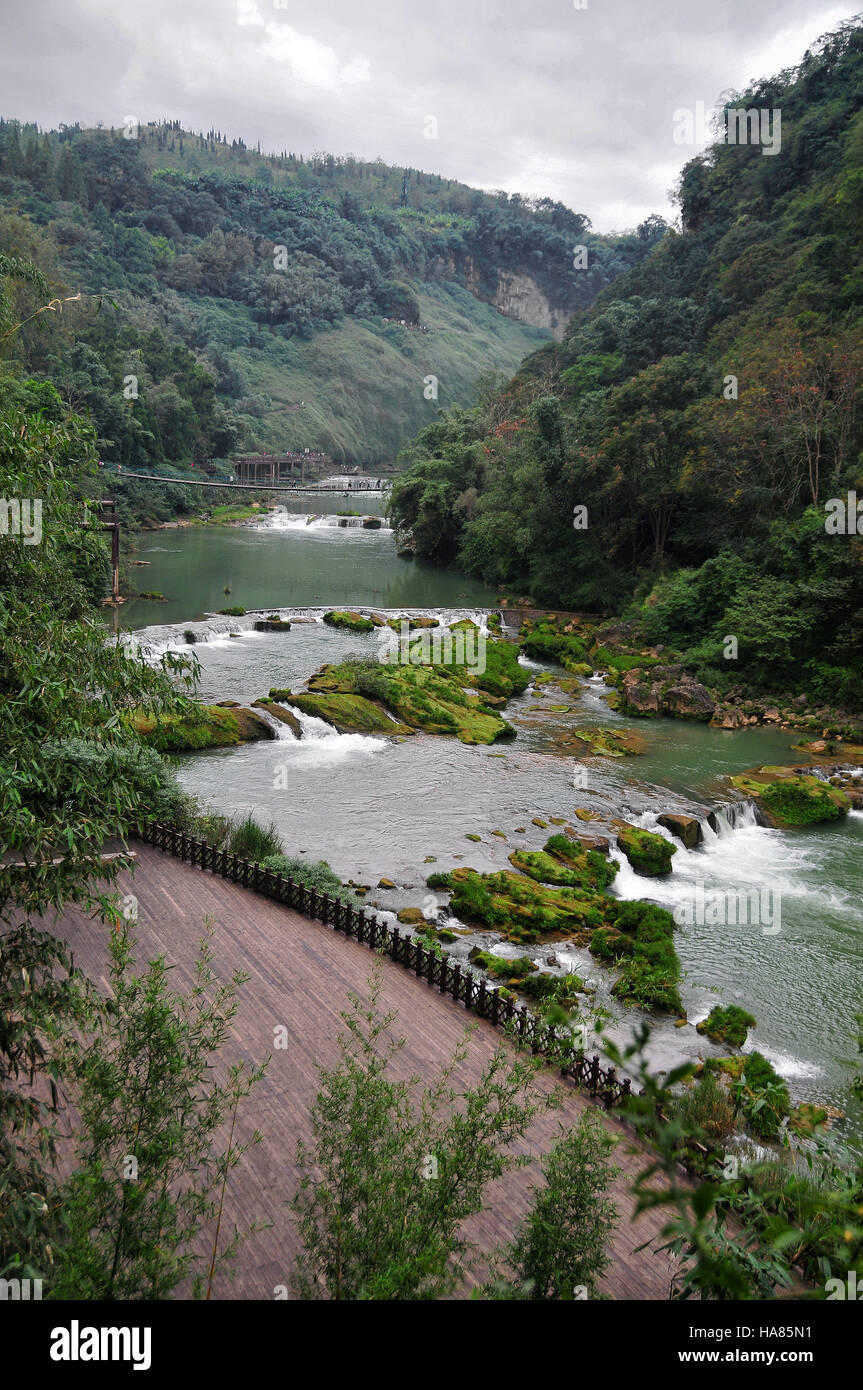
column 379, row 807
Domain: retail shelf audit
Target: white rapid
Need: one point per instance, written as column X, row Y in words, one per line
column 318, row 521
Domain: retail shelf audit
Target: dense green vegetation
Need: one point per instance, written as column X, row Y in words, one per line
column 247, row 301
column 727, row 1024
column 624, row 468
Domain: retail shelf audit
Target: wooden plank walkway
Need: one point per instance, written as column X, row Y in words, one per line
column 301, row 972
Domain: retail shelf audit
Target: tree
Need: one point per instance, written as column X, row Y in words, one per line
column 63, row 685
column 152, row 1169
column 394, row 1171
column 561, row 1250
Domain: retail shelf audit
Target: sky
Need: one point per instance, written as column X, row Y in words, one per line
column 568, row 99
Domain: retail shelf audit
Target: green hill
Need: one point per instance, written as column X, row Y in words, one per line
column 258, row 300
column 704, row 415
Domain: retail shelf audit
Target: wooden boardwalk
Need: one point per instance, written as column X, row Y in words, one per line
column 301, row 972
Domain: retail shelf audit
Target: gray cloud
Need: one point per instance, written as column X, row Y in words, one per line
column 542, row 98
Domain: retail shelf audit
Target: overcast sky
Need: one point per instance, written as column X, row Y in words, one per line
column 571, row 99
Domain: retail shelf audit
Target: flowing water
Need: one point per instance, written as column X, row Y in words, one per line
column 295, row 556
column 789, row 948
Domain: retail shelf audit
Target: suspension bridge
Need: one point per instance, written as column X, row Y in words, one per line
column 366, row 486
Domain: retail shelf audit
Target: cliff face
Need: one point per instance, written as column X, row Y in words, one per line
column 515, row 294
column 519, row 297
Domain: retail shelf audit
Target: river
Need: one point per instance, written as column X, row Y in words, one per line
column 401, row 809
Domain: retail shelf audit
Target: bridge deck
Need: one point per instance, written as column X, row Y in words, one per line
column 301, row 972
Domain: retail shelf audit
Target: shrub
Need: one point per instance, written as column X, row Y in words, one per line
column 560, row 1251
column 138, row 765
column 763, row 1096
column 249, row 840
column 317, row 875
column 728, row 1025
column 707, row 1109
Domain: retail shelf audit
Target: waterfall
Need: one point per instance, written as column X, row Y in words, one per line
column 283, row 731
column 729, row 816
column 323, row 521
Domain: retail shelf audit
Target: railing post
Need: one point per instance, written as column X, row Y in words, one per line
column 394, row 943
column 611, row 1087
column 594, row 1074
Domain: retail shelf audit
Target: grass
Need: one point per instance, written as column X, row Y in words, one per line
column 249, row 840
column 729, row 1024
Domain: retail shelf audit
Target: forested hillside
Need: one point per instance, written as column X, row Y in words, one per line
column 257, row 301
column 704, row 411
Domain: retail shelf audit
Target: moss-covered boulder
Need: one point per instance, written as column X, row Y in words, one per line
column 649, row 854
column 639, row 937
column 354, row 622
column 665, row 690
column 764, row 1095
column 350, row 714
column 552, row 639
column 412, row 917
column 412, row 624
column 606, row 743
column 565, row 863
column 790, row 798
column 430, row 698
column 206, row 726
column 727, row 1024
column 686, row 828
column 272, row 625
column 807, row 1119
column 519, row 908
column 285, row 716
column 502, row 969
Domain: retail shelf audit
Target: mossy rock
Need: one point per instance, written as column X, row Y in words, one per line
column 279, row 693
column 412, row 624
column 790, row 798
column 285, row 716
column 807, row 1119
column 547, row 640
column 729, row 1025
column 648, row 854
column 589, row 871
column 476, row 838
column 639, row 938
column 412, row 917
column 766, row 1102
column 350, row 714
column 431, row 698
column 521, row 909
column 354, row 622
column 608, row 743
column 209, row 726
column 502, row 969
